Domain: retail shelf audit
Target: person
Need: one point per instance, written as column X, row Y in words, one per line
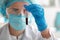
column 17, row 12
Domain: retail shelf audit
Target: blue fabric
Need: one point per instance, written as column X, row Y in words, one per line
column 3, row 7
column 18, row 22
column 38, row 13
column 3, row 11
column 10, row 2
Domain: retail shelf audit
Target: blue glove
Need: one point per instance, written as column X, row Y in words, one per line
column 38, row 13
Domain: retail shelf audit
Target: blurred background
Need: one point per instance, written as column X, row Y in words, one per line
column 52, row 15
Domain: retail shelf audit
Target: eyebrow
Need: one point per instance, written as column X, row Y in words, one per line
column 14, row 8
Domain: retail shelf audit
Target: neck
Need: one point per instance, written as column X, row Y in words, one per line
column 15, row 32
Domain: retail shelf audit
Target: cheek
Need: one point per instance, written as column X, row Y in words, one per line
column 10, row 11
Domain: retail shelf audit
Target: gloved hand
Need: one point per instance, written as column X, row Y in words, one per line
column 38, row 13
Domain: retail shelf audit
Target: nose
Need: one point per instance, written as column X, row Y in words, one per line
column 20, row 12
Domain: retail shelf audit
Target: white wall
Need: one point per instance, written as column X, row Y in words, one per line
column 50, row 14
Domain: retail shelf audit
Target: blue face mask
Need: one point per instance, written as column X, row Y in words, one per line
column 18, row 22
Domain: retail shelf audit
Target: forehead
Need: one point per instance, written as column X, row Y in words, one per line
column 18, row 4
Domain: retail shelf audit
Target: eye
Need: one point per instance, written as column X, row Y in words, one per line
column 15, row 9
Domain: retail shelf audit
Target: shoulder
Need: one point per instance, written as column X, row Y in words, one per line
column 3, row 28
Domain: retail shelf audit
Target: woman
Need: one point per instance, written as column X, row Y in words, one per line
column 17, row 12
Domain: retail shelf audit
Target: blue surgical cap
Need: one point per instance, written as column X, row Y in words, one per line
column 10, row 2
column 6, row 3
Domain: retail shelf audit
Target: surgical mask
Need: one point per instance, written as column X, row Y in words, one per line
column 17, row 22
